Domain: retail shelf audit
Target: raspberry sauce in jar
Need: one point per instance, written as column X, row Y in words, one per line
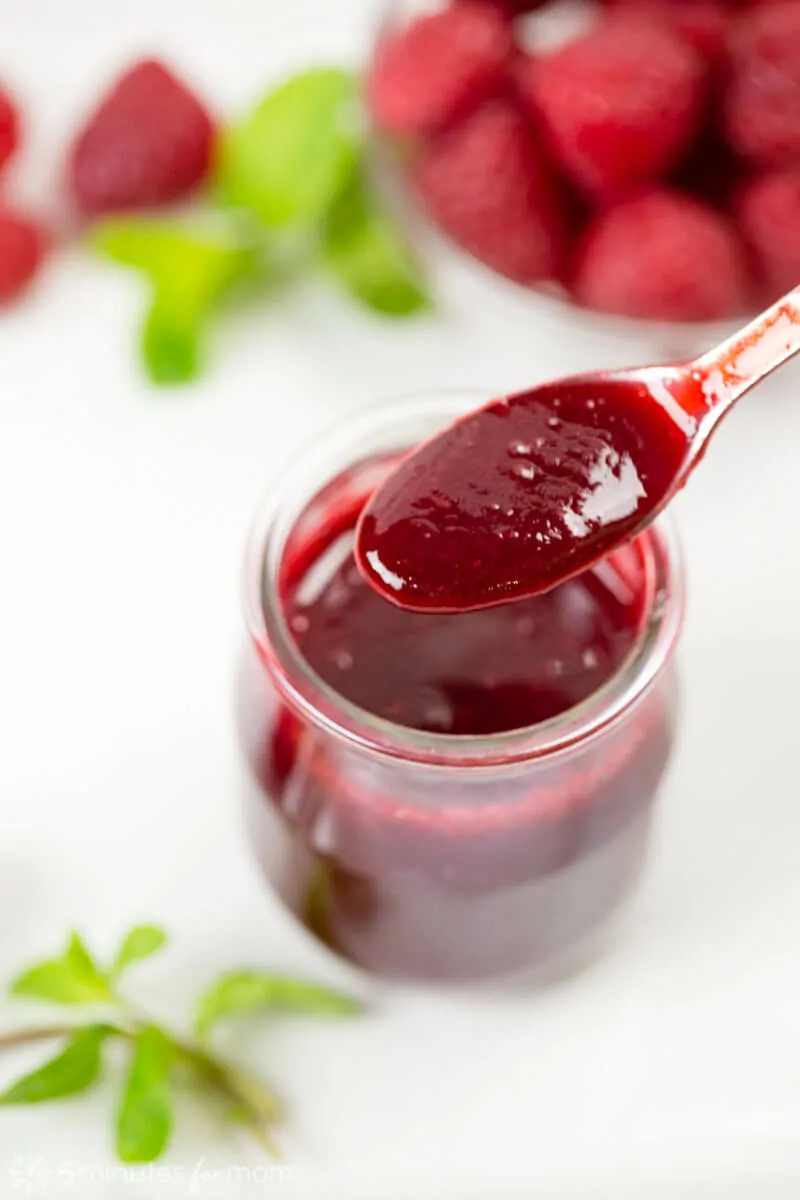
column 447, row 796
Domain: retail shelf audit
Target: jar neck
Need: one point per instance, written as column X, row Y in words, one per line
column 350, row 462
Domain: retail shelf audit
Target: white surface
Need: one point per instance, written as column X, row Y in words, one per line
column 677, row 1058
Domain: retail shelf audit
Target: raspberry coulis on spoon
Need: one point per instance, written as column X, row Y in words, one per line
column 532, row 489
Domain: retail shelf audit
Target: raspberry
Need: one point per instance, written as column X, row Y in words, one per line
column 662, row 256
column 491, row 189
column 703, row 23
column 762, row 103
column 769, row 216
column 150, row 141
column 438, row 68
column 619, row 105
column 22, row 248
column 9, row 127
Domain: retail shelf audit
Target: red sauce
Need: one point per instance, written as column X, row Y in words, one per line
column 470, row 673
column 521, row 495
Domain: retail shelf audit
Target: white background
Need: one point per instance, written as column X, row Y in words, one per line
column 123, row 513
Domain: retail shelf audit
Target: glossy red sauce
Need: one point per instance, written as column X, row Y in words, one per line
column 470, row 673
column 521, row 495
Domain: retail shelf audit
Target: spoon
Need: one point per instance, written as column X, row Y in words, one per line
column 531, row 489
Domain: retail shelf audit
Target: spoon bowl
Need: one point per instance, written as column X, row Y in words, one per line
column 532, row 489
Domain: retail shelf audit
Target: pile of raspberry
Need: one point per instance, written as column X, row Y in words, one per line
column 650, row 166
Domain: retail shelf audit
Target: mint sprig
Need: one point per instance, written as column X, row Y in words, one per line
column 293, row 195
column 145, row 1113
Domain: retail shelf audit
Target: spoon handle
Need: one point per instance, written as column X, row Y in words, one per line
column 732, row 368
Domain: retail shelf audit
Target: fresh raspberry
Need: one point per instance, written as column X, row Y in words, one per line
column 9, row 127
column 662, row 256
column 769, row 217
column 619, row 105
column 150, row 141
column 762, row 103
column 703, row 23
column 438, row 68
column 491, row 189
column 22, row 248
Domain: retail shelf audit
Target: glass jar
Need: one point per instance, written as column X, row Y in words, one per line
column 428, row 855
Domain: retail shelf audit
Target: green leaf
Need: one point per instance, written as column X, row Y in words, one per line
column 243, row 992
column 191, row 271
column 144, row 1123
column 368, row 256
column 196, row 266
column 72, row 979
column 289, row 159
column 141, row 942
column 165, row 249
column 171, row 341
column 72, row 1071
column 135, row 242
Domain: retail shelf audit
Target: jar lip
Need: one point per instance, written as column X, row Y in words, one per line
column 325, row 708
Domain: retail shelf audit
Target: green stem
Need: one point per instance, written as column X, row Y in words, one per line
column 259, row 1133
column 259, row 1104
column 24, row 1037
column 43, row 1033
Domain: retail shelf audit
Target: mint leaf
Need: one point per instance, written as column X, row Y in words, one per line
column 289, row 159
column 136, row 242
column 196, row 266
column 81, row 961
column 368, row 256
column 69, row 1073
column 171, row 341
column 191, row 271
column 72, row 979
column 144, row 1123
column 243, row 992
column 141, row 942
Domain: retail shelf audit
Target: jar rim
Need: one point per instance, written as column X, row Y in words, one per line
column 322, row 706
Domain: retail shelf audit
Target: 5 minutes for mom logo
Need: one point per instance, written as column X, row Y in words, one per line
column 32, row 1176
column 29, row 1176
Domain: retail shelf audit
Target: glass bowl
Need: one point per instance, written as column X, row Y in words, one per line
column 458, row 275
